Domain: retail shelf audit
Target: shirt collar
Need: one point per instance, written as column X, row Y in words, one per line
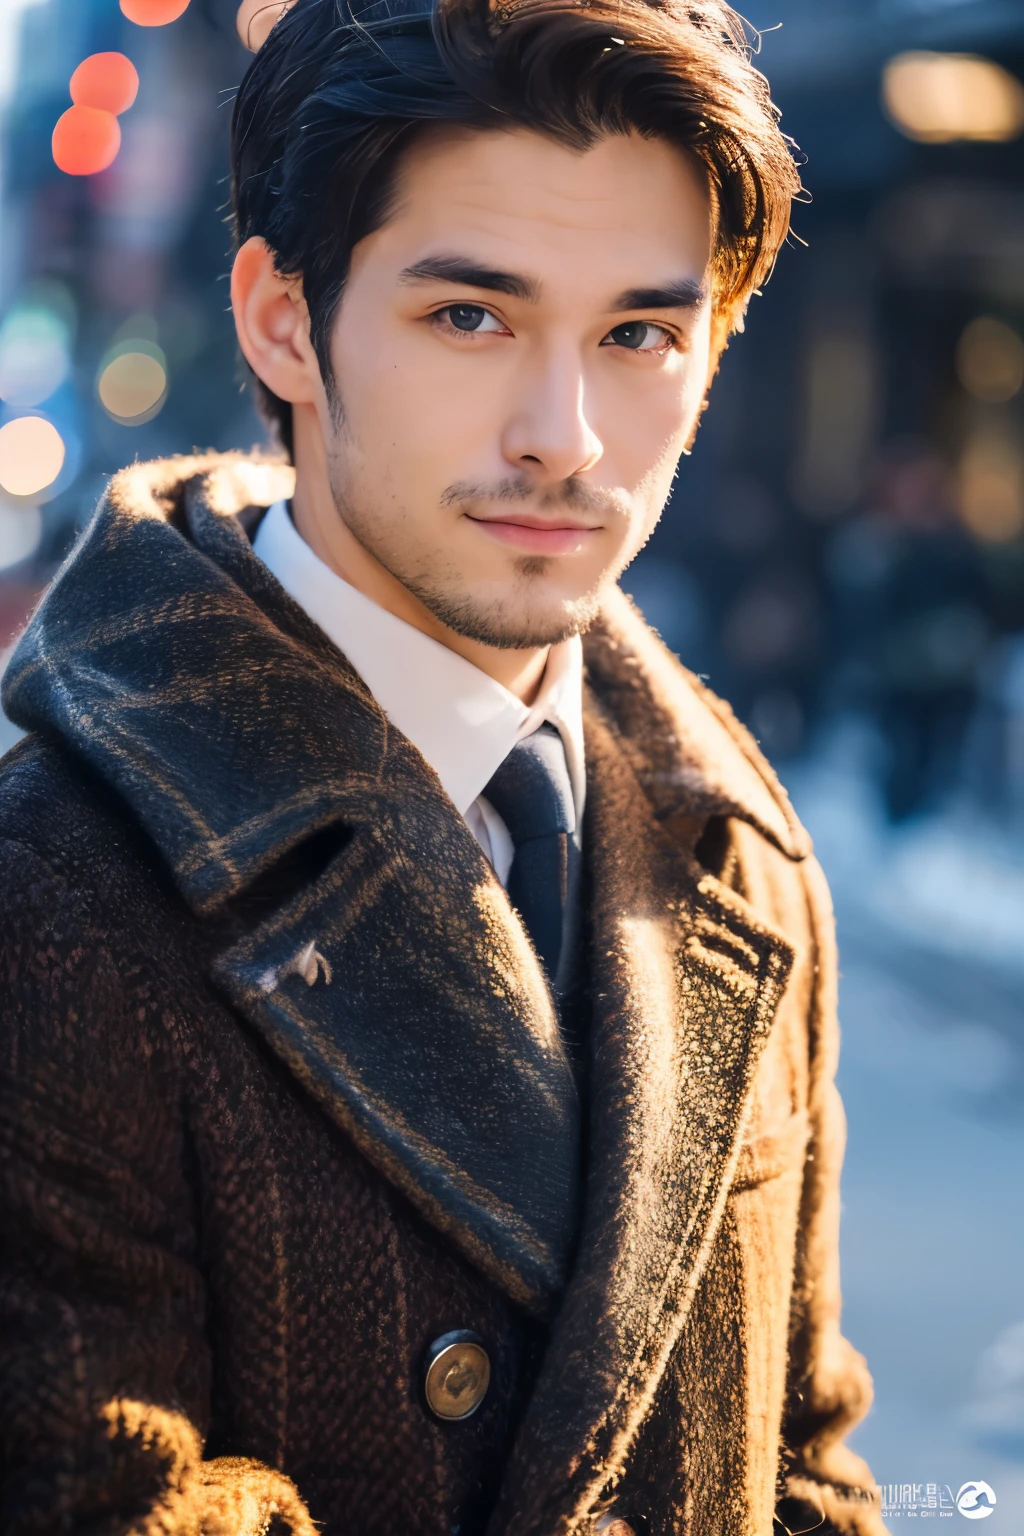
column 462, row 722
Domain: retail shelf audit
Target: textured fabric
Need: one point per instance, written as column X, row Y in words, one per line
column 283, row 1095
column 462, row 721
column 532, row 792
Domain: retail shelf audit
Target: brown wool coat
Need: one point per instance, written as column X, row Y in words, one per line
column 284, row 1096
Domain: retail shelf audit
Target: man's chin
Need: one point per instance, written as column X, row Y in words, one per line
column 510, row 623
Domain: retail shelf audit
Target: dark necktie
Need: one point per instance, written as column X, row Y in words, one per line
column 532, row 793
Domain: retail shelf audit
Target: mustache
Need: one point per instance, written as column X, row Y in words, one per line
column 572, row 494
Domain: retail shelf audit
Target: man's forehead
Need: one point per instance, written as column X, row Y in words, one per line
column 627, row 209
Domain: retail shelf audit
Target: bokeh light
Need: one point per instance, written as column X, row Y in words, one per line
column 153, row 13
column 109, row 82
column 31, row 455
column 132, row 382
column 85, row 141
column 992, row 484
column 990, row 360
column 937, row 98
column 21, row 531
column 256, row 18
column 35, row 354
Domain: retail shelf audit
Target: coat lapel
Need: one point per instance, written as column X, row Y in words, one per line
column 685, row 987
column 401, row 991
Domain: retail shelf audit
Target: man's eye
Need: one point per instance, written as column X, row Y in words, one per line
column 471, row 317
column 639, row 336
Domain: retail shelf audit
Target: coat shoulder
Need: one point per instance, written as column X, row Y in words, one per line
column 59, row 817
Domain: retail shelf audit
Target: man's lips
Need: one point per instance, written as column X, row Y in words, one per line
column 536, row 535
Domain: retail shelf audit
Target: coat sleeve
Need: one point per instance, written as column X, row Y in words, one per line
column 104, row 1363
column 826, row 1486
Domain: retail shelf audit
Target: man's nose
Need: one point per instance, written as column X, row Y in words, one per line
column 548, row 425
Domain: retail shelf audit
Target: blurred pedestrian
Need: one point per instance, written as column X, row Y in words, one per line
column 914, row 623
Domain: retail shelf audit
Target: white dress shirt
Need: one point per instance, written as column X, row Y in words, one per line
column 460, row 720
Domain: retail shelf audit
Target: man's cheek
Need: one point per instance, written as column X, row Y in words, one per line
column 443, row 417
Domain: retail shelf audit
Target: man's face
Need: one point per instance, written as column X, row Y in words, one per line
column 519, row 359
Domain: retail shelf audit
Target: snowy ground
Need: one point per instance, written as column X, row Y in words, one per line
column 933, row 1079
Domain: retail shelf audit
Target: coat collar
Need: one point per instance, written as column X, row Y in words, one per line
column 145, row 646
column 170, row 659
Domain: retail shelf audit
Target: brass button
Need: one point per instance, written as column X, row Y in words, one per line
column 458, row 1375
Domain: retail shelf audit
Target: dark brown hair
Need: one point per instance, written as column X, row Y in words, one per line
column 335, row 95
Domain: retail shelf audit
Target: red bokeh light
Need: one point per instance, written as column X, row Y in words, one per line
column 153, row 13
column 86, row 140
column 107, row 81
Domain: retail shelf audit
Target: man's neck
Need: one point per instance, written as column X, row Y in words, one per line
column 321, row 526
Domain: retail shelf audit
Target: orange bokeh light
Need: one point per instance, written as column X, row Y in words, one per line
column 107, row 81
column 153, row 13
column 86, row 140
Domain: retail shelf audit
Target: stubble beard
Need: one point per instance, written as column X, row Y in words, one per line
column 507, row 624
column 513, row 622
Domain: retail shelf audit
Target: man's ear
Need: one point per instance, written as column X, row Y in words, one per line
column 255, row 19
column 272, row 323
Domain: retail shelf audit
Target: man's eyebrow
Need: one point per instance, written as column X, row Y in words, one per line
column 681, row 293
column 462, row 269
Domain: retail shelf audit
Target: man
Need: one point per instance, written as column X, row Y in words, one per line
column 417, row 992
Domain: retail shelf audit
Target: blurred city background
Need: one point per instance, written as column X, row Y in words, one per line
column 843, row 559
